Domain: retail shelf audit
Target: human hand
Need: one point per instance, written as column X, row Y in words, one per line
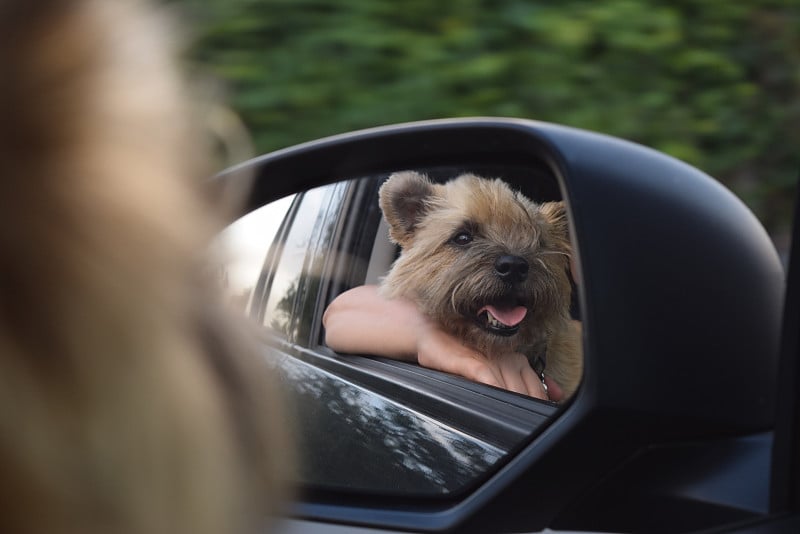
column 511, row 371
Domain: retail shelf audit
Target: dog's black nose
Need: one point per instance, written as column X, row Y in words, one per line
column 511, row 268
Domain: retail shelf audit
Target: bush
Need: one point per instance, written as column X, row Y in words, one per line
column 714, row 83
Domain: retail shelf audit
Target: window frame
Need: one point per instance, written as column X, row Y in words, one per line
column 491, row 415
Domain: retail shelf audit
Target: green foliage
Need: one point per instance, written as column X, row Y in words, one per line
column 715, row 83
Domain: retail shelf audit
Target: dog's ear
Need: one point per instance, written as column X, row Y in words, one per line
column 404, row 202
column 555, row 214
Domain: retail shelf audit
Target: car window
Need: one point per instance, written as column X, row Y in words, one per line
column 365, row 424
column 244, row 245
column 297, row 271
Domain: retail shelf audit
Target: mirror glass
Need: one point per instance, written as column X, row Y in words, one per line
column 371, row 423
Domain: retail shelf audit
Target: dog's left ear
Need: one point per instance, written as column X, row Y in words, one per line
column 404, row 202
column 555, row 214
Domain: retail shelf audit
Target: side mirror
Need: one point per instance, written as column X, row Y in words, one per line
column 681, row 300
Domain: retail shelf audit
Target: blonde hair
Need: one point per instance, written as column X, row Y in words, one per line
column 129, row 400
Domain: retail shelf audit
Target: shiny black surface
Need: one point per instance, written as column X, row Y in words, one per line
column 373, row 427
column 355, row 439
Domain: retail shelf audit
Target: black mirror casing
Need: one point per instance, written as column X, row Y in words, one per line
column 681, row 299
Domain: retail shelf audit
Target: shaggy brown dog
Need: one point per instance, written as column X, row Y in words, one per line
column 129, row 401
column 488, row 265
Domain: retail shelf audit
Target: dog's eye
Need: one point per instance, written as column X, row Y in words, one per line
column 462, row 238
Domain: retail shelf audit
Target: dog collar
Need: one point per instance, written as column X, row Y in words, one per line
column 539, row 364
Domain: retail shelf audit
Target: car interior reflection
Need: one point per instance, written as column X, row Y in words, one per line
column 366, row 424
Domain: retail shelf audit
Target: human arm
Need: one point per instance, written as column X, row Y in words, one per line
column 361, row 321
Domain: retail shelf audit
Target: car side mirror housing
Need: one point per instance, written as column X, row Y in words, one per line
column 681, row 289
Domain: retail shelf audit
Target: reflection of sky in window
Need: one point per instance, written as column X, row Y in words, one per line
column 290, row 266
column 245, row 244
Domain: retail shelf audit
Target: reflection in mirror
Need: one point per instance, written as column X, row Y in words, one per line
column 244, row 244
column 301, row 259
column 385, row 445
column 484, row 265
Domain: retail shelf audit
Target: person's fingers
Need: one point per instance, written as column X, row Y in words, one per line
column 476, row 368
column 484, row 373
column 519, row 376
column 441, row 352
column 554, row 391
column 513, row 378
column 534, row 384
column 437, row 350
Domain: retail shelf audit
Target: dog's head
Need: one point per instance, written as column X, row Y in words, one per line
column 484, row 261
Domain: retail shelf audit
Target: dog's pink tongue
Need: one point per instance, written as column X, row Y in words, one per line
column 508, row 316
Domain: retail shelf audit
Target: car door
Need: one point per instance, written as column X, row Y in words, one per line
column 366, row 426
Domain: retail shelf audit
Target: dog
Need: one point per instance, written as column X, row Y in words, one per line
column 131, row 400
column 488, row 265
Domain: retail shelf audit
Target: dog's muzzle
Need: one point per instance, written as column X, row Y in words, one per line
column 503, row 317
column 501, row 320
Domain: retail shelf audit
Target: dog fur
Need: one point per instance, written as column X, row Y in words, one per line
column 452, row 278
column 130, row 402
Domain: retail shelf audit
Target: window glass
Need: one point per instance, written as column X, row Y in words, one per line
column 302, row 255
column 244, row 246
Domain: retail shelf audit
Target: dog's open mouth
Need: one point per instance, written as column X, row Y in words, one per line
column 501, row 320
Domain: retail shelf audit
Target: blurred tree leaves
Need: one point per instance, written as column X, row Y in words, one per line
column 715, row 83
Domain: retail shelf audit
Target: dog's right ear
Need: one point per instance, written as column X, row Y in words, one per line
column 404, row 202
